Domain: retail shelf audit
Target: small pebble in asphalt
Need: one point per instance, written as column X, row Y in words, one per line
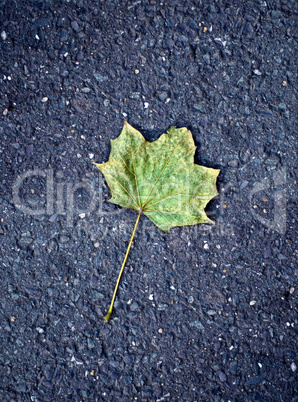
column 222, row 376
column 29, row 149
column 191, row 299
column 217, row 346
column 80, row 56
column 75, row 26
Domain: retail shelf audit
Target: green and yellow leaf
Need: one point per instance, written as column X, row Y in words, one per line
column 160, row 178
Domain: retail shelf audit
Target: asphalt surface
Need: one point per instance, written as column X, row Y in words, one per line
column 203, row 313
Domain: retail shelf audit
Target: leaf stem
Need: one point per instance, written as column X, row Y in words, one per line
column 107, row 317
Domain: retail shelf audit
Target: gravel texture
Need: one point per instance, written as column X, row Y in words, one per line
column 204, row 313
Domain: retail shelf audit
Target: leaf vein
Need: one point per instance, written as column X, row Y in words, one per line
column 171, row 195
column 123, row 188
column 134, row 168
column 167, row 161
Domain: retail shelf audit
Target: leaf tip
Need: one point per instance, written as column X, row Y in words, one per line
column 210, row 221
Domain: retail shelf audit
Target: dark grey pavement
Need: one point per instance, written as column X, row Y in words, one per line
column 203, row 313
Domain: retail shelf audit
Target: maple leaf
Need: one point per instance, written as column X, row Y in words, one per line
column 158, row 179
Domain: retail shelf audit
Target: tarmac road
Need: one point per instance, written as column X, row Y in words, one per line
column 203, row 313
